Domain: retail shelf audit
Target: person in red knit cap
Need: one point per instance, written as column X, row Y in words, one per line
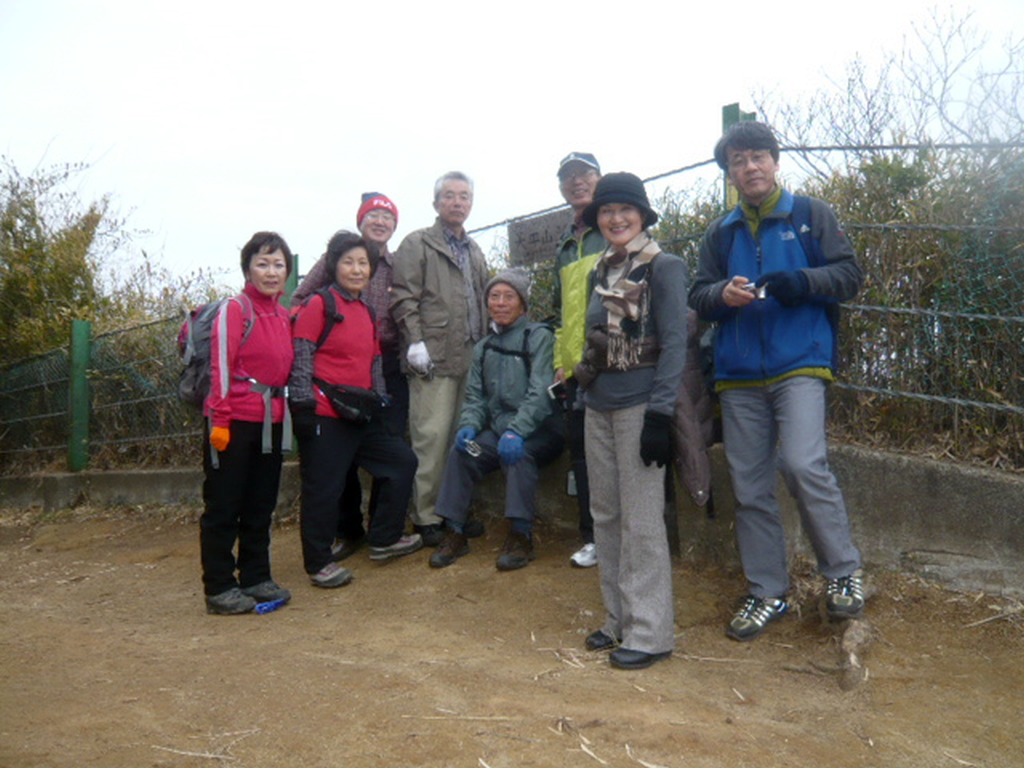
column 336, row 392
column 376, row 220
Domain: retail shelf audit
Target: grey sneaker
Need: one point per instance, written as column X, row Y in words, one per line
column 406, row 545
column 343, row 548
column 331, row 575
column 844, row 597
column 267, row 591
column 229, row 603
column 753, row 615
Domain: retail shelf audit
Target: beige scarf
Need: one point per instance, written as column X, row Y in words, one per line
column 627, row 301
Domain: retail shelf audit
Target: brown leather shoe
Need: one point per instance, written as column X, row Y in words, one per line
column 516, row 553
column 452, row 547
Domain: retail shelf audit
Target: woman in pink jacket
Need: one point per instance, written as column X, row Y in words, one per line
column 250, row 361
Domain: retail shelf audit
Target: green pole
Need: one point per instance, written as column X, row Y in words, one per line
column 78, row 395
column 292, row 282
column 732, row 114
column 289, row 288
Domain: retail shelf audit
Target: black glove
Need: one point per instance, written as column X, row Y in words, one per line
column 303, row 419
column 790, row 288
column 656, row 439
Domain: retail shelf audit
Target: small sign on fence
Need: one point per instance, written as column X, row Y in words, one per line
column 533, row 241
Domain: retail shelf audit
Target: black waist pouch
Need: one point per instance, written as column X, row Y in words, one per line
column 350, row 403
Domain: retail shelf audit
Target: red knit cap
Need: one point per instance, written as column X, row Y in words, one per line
column 374, row 200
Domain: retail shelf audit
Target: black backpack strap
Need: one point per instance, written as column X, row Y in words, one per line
column 331, row 315
column 523, row 353
column 722, row 239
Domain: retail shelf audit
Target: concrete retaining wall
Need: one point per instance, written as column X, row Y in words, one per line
column 961, row 526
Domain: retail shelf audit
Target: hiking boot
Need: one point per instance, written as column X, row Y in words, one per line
column 516, row 553
column 431, row 534
column 844, row 597
column 452, row 547
column 267, row 592
column 473, row 528
column 585, row 556
column 752, row 616
column 330, row 576
column 407, row 544
column 343, row 548
column 230, row 602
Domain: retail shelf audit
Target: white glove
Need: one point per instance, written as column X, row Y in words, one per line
column 418, row 358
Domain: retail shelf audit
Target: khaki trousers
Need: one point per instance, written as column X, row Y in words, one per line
column 434, row 406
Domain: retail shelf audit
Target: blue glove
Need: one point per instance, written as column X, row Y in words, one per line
column 464, row 434
column 789, row 288
column 511, row 447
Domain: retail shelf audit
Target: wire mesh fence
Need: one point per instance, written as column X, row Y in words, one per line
column 137, row 418
column 932, row 351
column 34, row 412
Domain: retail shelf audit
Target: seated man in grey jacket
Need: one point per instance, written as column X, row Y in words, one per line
column 508, row 421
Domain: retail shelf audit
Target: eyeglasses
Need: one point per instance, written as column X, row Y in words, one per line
column 380, row 216
column 574, row 175
column 758, row 157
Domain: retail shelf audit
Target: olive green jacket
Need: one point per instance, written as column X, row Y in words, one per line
column 428, row 299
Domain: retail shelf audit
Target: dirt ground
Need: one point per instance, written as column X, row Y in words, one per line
column 108, row 659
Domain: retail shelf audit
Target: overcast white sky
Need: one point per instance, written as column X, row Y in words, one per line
column 207, row 121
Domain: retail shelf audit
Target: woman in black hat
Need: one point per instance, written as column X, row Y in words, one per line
column 634, row 358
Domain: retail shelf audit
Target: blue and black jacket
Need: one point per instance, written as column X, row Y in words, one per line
column 766, row 341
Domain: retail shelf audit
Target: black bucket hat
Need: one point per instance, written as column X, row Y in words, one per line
column 624, row 188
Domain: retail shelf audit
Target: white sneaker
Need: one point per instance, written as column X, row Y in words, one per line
column 586, row 557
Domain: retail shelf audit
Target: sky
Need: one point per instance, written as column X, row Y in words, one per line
column 207, row 121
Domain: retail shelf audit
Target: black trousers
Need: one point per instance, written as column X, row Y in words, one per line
column 327, row 451
column 574, row 419
column 239, row 497
column 396, row 421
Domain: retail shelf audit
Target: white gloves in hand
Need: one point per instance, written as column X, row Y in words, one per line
column 418, row 358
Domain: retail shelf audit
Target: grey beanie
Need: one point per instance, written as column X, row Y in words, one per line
column 518, row 278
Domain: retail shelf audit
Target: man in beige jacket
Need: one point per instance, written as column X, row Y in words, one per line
column 437, row 301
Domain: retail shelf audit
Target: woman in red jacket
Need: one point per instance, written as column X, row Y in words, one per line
column 336, row 392
column 250, row 361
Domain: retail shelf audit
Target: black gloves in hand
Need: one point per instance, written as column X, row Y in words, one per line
column 303, row 418
column 789, row 288
column 656, row 439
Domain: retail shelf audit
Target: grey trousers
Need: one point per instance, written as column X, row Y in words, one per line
column 627, row 501
column 782, row 426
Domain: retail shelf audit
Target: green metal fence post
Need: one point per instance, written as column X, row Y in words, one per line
column 292, row 282
column 289, row 288
column 732, row 114
column 78, row 395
